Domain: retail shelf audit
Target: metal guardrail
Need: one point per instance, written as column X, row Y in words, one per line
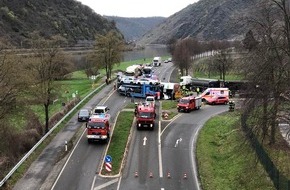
column 44, row 137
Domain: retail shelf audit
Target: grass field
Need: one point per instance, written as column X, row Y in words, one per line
column 225, row 160
column 119, row 141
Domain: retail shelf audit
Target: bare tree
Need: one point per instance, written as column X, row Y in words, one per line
column 108, row 51
column 12, row 82
column 249, row 41
column 268, row 63
column 44, row 67
column 183, row 53
column 222, row 63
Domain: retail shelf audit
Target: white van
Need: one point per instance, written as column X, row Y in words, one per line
column 100, row 110
column 209, row 93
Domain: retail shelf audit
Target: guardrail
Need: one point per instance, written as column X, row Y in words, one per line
column 44, row 137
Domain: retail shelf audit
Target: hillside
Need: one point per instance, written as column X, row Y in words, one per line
column 205, row 19
column 68, row 18
column 134, row 28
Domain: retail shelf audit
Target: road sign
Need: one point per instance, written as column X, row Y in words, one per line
column 108, row 158
column 108, row 166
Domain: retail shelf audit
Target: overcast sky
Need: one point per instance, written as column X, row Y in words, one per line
column 137, row 8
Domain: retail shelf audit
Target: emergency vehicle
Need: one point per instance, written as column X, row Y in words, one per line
column 98, row 128
column 189, row 103
column 145, row 115
column 211, row 93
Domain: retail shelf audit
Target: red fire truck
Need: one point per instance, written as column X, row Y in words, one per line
column 98, row 128
column 189, row 103
column 145, row 115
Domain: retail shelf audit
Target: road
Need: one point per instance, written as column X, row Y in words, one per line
column 80, row 170
column 168, row 160
column 159, row 159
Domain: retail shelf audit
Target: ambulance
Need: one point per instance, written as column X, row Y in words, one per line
column 214, row 93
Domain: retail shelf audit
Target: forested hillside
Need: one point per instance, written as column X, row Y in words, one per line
column 77, row 23
column 206, row 20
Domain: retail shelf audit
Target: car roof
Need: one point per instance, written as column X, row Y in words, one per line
column 101, row 107
column 84, row 109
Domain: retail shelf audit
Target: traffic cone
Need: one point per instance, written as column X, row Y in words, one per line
column 151, row 175
column 168, row 175
column 184, row 176
column 136, row 174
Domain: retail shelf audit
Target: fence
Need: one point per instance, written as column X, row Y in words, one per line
column 278, row 179
column 45, row 136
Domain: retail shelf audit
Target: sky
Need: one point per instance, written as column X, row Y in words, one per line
column 137, row 8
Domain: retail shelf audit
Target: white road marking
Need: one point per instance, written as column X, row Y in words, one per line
column 159, row 151
column 93, row 184
column 106, row 184
column 177, row 141
column 144, row 141
column 192, row 153
column 68, row 159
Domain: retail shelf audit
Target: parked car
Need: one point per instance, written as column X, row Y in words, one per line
column 84, row 115
column 146, row 81
column 217, row 100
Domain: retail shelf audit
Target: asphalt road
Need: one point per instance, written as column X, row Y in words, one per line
column 44, row 170
column 167, row 162
column 86, row 160
column 158, row 159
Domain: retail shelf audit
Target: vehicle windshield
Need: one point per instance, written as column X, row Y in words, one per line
column 97, row 111
column 97, row 125
column 150, row 99
column 184, row 101
column 146, row 115
column 147, row 71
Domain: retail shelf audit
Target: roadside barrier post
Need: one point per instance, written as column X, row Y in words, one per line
column 65, row 146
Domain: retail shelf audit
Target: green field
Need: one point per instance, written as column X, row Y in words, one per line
column 225, row 159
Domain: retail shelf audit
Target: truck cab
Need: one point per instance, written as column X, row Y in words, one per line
column 145, row 116
column 185, row 80
column 98, row 128
column 157, row 61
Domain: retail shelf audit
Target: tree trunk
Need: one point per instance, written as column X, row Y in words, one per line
column 265, row 117
column 273, row 120
column 46, row 106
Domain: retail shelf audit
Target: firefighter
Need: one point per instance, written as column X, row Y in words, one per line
column 231, row 105
column 197, row 90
